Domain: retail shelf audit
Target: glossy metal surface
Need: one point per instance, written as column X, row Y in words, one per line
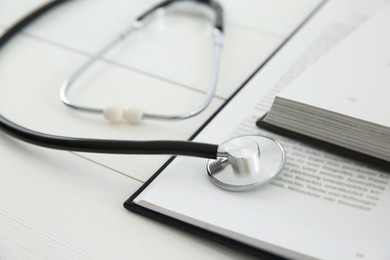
column 246, row 162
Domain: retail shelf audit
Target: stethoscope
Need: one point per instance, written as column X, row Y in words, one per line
column 238, row 164
column 118, row 114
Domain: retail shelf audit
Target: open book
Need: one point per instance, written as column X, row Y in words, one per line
column 343, row 99
column 322, row 206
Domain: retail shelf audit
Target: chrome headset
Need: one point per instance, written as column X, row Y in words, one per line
column 238, row 164
column 136, row 115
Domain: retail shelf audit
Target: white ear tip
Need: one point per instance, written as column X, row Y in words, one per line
column 114, row 114
column 133, row 115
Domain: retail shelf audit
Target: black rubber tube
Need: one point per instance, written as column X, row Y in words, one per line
column 212, row 4
column 186, row 148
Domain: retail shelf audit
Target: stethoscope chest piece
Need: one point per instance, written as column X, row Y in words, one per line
column 246, row 162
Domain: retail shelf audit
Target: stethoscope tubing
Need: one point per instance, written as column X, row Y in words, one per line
column 218, row 24
column 107, row 146
column 185, row 148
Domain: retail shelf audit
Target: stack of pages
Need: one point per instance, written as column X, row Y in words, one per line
column 344, row 98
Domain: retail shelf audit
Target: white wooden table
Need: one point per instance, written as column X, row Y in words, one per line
column 66, row 205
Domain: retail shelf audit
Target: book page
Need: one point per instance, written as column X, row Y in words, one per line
column 355, row 75
column 322, row 205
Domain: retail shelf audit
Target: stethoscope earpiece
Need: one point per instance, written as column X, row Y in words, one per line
column 115, row 114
